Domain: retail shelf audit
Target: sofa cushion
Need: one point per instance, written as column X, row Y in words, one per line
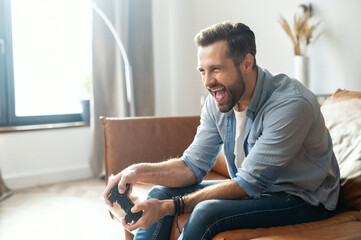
column 343, row 231
column 342, row 113
column 311, row 230
column 343, row 218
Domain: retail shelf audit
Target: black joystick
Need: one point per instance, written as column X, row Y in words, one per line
column 125, row 203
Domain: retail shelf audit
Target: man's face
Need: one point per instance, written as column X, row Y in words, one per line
column 220, row 76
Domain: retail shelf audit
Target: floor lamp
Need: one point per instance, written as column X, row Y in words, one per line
column 128, row 69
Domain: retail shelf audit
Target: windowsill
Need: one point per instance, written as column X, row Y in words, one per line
column 43, row 127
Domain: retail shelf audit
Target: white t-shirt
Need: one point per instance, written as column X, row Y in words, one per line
column 241, row 121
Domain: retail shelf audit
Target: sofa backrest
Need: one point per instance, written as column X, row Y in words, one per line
column 145, row 139
column 342, row 113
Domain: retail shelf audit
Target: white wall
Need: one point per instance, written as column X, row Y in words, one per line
column 177, row 84
column 40, row 157
column 46, row 156
column 335, row 58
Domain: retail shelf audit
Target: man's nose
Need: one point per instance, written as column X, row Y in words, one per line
column 208, row 80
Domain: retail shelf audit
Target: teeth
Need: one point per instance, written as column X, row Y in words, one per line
column 217, row 89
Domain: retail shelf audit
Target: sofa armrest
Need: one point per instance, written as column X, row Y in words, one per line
column 145, row 139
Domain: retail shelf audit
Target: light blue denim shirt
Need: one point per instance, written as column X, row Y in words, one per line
column 288, row 147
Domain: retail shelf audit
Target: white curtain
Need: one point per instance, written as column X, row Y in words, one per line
column 132, row 20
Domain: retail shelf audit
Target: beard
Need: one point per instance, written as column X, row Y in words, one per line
column 234, row 92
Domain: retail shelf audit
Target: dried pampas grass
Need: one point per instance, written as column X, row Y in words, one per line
column 302, row 33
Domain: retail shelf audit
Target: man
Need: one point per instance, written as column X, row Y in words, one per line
column 278, row 150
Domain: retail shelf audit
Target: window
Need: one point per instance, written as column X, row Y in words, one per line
column 46, row 60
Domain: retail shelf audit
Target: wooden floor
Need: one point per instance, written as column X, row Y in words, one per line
column 72, row 210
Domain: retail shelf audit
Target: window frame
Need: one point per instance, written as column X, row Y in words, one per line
column 8, row 117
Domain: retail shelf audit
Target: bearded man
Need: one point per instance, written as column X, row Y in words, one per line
column 279, row 152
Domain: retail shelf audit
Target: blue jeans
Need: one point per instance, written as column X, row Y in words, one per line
column 211, row 217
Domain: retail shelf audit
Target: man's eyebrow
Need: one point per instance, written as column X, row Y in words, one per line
column 216, row 66
column 211, row 66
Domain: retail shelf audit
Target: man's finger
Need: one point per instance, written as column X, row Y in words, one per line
column 112, row 181
column 105, row 196
column 138, row 206
column 131, row 227
column 107, row 200
column 122, row 185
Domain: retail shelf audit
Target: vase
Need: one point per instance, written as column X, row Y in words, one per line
column 85, row 114
column 301, row 69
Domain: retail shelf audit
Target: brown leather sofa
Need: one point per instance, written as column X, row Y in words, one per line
column 154, row 139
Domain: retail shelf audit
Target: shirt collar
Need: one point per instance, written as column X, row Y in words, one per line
column 257, row 93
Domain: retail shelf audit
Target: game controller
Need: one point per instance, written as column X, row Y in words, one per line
column 125, row 203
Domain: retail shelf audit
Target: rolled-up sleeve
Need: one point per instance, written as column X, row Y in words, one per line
column 284, row 128
column 201, row 155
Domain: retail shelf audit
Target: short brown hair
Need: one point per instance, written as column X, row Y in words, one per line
column 239, row 37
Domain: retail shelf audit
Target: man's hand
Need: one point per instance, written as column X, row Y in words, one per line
column 127, row 176
column 153, row 211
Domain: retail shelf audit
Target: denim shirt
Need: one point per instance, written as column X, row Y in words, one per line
column 287, row 145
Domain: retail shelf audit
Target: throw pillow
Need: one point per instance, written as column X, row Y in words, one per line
column 342, row 113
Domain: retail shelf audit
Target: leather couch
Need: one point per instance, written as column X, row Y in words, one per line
column 154, row 139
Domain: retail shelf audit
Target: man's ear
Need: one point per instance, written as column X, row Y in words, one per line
column 246, row 65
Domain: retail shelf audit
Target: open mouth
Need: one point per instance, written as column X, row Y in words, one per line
column 218, row 93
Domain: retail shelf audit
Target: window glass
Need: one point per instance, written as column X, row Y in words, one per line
column 51, row 55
